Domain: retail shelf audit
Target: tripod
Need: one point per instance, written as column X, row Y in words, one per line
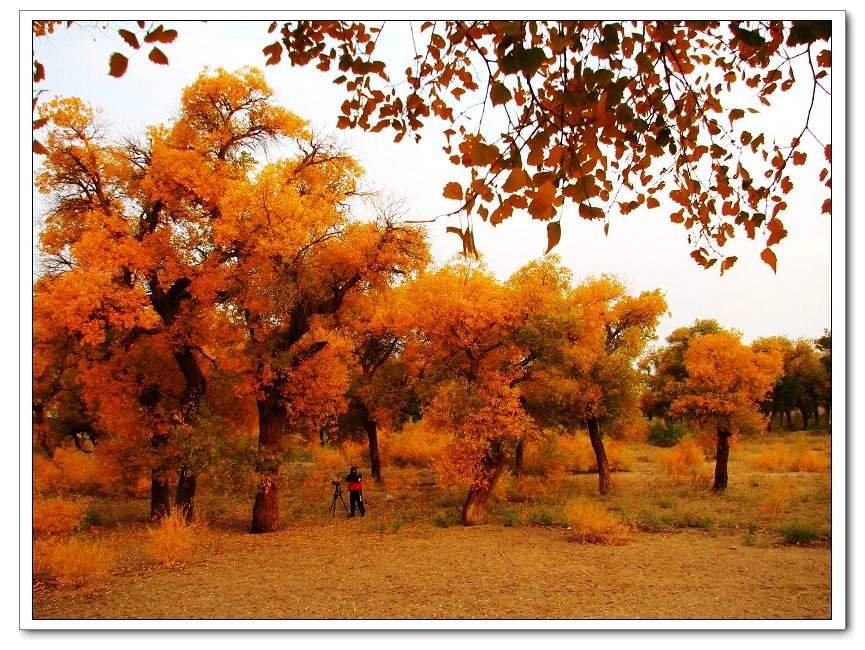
column 337, row 492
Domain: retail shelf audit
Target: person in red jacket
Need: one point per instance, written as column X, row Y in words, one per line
column 355, row 491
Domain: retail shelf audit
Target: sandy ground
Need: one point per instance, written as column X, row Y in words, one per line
column 349, row 569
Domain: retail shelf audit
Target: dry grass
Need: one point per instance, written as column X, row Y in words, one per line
column 593, row 524
column 685, row 462
column 73, row 561
column 174, row 539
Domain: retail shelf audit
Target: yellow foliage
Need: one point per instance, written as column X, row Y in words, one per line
column 174, row 539
column 70, row 470
column 592, row 524
column 72, row 561
column 57, row 516
column 329, row 457
column 778, row 500
column 416, row 444
column 775, row 458
column 684, row 460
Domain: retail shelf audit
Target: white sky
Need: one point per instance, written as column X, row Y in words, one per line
column 644, row 248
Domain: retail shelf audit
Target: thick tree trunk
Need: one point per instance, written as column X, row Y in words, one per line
column 789, row 418
column 600, row 455
column 519, row 458
column 184, row 502
column 721, row 461
column 371, row 428
column 193, row 394
column 771, row 420
column 271, row 424
column 160, row 492
column 475, row 507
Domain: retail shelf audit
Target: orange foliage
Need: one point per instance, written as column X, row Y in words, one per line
column 57, row 515
column 73, row 561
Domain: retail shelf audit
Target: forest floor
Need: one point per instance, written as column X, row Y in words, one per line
column 690, row 555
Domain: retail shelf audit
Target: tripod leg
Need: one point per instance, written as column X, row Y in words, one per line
column 343, row 503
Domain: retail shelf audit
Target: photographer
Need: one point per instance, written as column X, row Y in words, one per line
column 355, row 491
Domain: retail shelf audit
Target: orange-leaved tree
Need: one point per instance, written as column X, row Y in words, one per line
column 725, row 381
column 290, row 254
column 129, row 236
column 611, row 331
column 472, row 365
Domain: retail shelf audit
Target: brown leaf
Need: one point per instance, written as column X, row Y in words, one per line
column 130, row 38
column 39, row 148
column 768, row 256
column 273, row 52
column 117, row 65
column 157, row 56
column 554, row 234
column 453, row 191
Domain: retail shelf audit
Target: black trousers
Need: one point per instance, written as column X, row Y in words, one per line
column 356, row 499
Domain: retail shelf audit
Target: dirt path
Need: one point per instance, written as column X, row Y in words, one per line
column 348, row 569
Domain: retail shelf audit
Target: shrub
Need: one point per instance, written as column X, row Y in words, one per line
column 683, row 460
column 592, row 524
column 808, row 460
column 665, row 435
column 803, row 534
column 415, row 444
column 72, row 561
column 354, row 453
column 70, row 470
column 542, row 517
column 774, row 458
column 329, row 457
column 57, row 516
column 778, row 500
column 173, row 539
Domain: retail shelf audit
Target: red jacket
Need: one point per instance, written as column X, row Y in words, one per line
column 355, row 483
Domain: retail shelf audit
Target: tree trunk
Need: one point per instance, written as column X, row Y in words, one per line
column 519, row 458
column 771, row 420
column 371, row 428
column 271, row 424
column 789, row 420
column 193, row 394
column 804, row 412
column 185, row 500
column 160, row 493
column 600, row 456
column 721, row 461
column 475, row 507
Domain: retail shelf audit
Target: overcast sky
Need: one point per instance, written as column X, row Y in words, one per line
column 644, row 248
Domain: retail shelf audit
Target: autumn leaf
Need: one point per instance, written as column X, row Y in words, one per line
column 157, row 56
column 453, row 191
column 500, row 94
column 273, row 53
column 117, row 65
column 130, row 38
column 768, row 256
column 554, row 234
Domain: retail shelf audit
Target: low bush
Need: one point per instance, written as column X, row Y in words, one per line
column 684, row 460
column 414, row 445
column 662, row 434
column 777, row 501
column 803, row 534
column 73, row 561
column 57, row 515
column 174, row 539
column 592, row 524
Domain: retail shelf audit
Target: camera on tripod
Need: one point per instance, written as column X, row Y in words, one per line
column 337, row 494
